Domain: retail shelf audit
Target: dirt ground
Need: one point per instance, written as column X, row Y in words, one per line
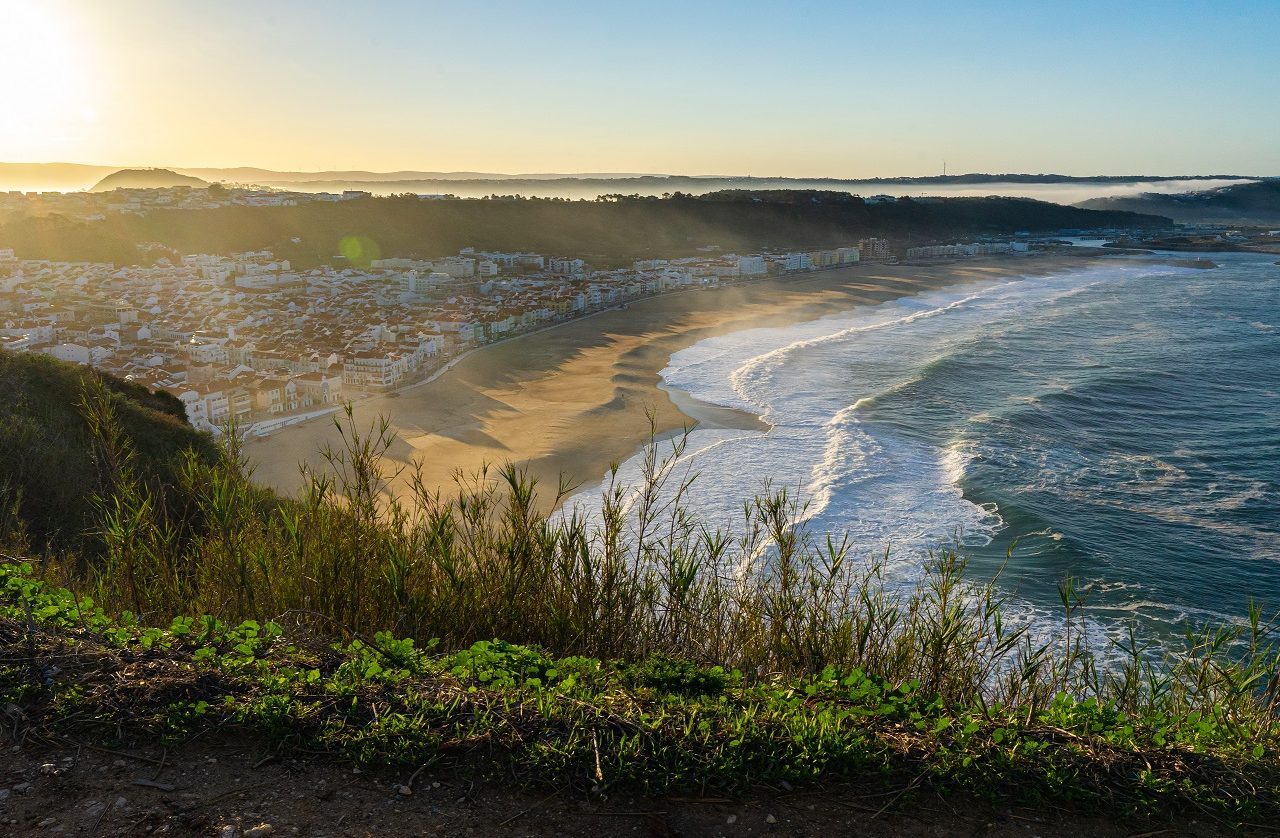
column 233, row 789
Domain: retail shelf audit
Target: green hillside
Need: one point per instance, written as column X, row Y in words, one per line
column 50, row 465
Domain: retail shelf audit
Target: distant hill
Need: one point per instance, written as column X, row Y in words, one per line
column 145, row 179
column 1245, row 203
column 605, row 232
column 47, row 465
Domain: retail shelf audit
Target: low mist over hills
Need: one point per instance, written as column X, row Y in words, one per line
column 35, row 177
column 145, row 179
column 1245, row 203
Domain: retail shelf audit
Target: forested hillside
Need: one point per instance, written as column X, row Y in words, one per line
column 613, row 229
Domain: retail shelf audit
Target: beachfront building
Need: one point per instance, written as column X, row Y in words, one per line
column 275, row 394
column 834, row 258
column 465, row 332
column 240, row 400
column 797, row 262
column 671, row 280
column 320, row 387
column 875, row 249
column 372, row 370
column 961, row 251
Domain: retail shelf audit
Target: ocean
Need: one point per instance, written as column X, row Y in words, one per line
column 1119, row 423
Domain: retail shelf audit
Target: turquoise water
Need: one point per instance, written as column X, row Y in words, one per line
column 1119, row 423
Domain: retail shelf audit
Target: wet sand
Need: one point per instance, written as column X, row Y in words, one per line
column 572, row 399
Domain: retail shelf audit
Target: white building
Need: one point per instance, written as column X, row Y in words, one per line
column 371, row 370
column 77, row 353
column 567, row 267
column 270, row 282
column 797, row 262
column 15, row 343
column 458, row 267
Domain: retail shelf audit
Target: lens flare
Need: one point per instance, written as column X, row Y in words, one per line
column 359, row 251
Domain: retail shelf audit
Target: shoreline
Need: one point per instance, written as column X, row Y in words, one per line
column 576, row 397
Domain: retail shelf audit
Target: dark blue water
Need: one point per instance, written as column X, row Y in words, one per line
column 1128, row 435
column 1117, row 422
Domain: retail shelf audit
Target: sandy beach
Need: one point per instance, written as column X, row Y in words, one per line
column 575, row 398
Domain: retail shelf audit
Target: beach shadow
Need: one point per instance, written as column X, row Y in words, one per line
column 472, row 436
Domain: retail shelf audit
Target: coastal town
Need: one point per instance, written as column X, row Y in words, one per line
column 95, row 206
column 247, row 339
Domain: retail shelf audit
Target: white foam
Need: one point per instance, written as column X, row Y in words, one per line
column 814, row 382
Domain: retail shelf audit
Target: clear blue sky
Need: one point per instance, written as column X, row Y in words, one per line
column 786, row 88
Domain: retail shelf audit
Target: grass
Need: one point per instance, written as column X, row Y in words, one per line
column 660, row 724
column 47, row 467
column 644, row 649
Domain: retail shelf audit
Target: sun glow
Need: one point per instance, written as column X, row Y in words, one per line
column 46, row 97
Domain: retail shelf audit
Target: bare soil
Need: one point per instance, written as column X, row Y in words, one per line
column 230, row 788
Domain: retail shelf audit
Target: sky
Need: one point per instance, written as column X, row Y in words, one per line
column 801, row 89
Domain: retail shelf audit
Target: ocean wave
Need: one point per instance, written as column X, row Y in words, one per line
column 749, row 375
column 881, row 419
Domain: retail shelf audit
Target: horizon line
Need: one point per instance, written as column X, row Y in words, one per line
column 486, row 175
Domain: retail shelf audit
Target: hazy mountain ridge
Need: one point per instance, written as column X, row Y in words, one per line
column 407, row 176
column 76, row 176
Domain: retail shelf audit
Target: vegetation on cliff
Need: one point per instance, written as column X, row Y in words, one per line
column 49, row 472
